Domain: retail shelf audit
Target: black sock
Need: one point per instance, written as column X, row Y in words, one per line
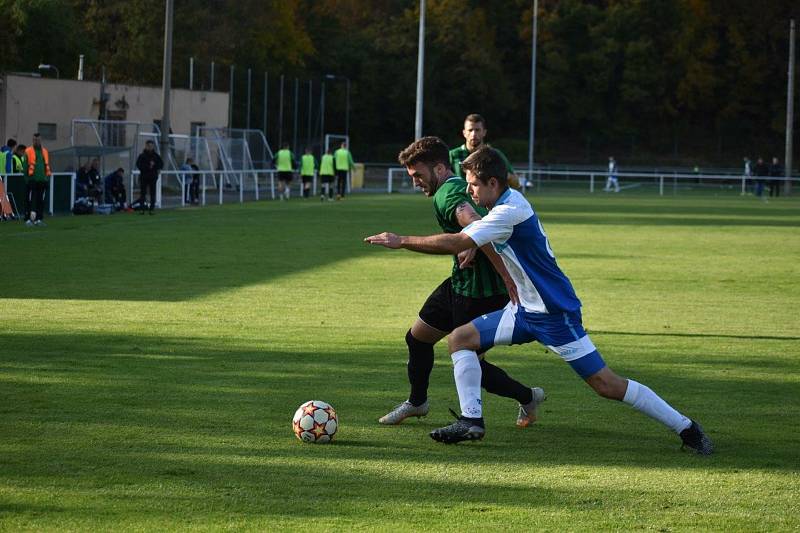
column 495, row 380
column 420, row 364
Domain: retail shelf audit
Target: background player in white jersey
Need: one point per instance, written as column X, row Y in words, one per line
column 548, row 310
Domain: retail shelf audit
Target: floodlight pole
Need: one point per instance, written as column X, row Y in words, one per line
column 420, row 71
column 532, row 124
column 787, row 187
column 280, row 116
column 249, row 83
column 266, row 101
column 294, row 123
column 321, row 119
column 166, row 81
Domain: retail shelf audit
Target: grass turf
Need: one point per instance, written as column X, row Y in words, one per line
column 150, row 366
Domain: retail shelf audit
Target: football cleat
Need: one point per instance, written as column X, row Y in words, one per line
column 527, row 413
column 403, row 411
column 462, row 429
column 696, row 440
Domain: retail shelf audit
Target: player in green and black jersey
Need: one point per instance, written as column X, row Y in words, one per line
column 478, row 284
column 474, row 133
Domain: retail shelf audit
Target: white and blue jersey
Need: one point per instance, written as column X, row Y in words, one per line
column 548, row 310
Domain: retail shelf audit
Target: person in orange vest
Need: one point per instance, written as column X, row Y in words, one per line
column 37, row 173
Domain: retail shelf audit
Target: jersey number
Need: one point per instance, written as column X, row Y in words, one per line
column 546, row 240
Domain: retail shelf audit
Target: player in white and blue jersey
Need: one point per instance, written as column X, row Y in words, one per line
column 548, row 311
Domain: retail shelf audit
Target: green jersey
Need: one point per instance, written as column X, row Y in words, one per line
column 481, row 280
column 307, row 165
column 284, row 160
column 344, row 161
column 457, row 155
column 39, row 170
column 326, row 165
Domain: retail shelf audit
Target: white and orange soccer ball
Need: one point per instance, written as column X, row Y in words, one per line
column 316, row 422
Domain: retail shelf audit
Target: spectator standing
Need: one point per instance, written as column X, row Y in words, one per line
column 149, row 164
column 19, row 157
column 747, row 172
column 474, row 133
column 284, row 163
column 37, row 173
column 344, row 164
column 7, row 157
column 776, row 173
column 613, row 180
column 761, row 170
column 326, row 175
column 6, row 167
column 307, row 167
column 192, row 192
column 115, row 189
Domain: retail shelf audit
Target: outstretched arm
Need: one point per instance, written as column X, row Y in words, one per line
column 442, row 244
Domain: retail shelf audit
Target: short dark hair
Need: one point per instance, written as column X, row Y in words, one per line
column 428, row 150
column 485, row 163
column 37, row 134
column 21, row 147
column 474, row 117
column 150, row 141
column 11, row 143
column 120, row 169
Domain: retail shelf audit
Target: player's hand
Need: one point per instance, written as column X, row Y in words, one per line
column 511, row 287
column 466, row 258
column 389, row 240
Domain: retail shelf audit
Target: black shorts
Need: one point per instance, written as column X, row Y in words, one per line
column 326, row 179
column 445, row 309
column 285, row 176
column 307, row 179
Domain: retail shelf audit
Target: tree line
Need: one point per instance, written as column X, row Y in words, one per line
column 651, row 81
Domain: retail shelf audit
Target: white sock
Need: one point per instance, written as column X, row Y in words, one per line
column 643, row 399
column 467, row 371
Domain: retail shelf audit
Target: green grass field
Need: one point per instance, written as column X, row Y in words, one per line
column 150, row 367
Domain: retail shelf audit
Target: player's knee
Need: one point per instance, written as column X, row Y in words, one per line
column 611, row 387
column 463, row 338
column 413, row 342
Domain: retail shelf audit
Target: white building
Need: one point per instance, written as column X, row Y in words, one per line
column 30, row 104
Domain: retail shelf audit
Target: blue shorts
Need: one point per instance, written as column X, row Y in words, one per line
column 563, row 333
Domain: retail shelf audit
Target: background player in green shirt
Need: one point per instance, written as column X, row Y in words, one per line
column 344, row 164
column 307, row 167
column 474, row 133
column 479, row 284
column 284, row 163
column 326, row 175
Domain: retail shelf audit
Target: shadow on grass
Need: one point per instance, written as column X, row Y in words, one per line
column 183, row 254
column 97, row 404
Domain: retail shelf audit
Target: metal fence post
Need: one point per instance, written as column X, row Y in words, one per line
column 661, row 185
column 591, row 183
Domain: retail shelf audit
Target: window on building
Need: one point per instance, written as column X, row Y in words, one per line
column 48, row 131
column 114, row 134
column 195, row 128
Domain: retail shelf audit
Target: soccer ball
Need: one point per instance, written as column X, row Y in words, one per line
column 315, row 422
